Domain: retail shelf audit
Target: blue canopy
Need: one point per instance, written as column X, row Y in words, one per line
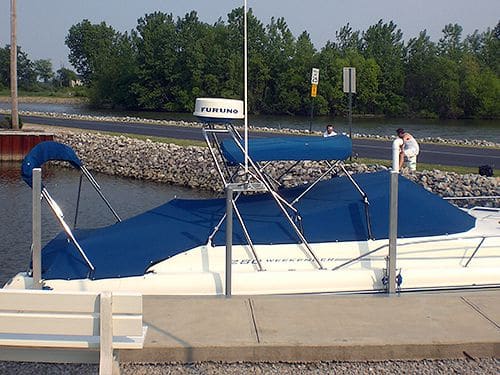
column 332, row 211
column 42, row 153
column 292, row 148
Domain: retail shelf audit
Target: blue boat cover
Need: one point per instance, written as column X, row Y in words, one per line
column 332, row 211
column 42, row 153
column 316, row 148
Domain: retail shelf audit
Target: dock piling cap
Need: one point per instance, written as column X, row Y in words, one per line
column 219, row 109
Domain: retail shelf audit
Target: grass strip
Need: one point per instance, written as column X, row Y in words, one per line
column 175, row 141
column 424, row 166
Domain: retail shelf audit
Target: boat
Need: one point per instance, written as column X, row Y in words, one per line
column 331, row 235
column 339, row 233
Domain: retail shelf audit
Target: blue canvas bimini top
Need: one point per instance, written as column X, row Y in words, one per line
column 42, row 153
column 316, row 148
column 332, row 211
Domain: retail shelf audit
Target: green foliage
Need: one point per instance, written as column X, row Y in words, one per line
column 89, row 47
column 43, row 70
column 26, row 76
column 5, row 67
column 383, row 43
column 165, row 63
column 6, row 122
column 489, row 49
column 450, row 45
column 278, row 52
column 37, row 77
column 64, row 77
column 155, row 43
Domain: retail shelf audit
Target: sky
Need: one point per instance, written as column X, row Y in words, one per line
column 44, row 24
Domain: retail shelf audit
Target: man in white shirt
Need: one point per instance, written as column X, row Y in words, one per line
column 409, row 150
column 329, row 132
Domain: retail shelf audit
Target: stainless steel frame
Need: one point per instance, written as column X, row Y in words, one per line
column 256, row 179
column 60, row 216
column 362, row 256
column 260, row 183
column 97, row 188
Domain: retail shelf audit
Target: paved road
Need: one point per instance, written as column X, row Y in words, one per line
column 430, row 153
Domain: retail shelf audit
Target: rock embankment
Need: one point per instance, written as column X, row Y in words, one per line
column 189, row 166
column 192, row 166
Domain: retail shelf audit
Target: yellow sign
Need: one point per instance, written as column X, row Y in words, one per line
column 314, row 90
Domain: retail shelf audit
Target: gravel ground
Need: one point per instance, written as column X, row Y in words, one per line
column 455, row 366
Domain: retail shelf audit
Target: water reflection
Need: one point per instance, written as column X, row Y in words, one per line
column 127, row 196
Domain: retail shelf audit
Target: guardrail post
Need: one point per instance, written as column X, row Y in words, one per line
column 229, row 238
column 37, row 228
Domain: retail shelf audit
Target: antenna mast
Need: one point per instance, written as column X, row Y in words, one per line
column 245, row 63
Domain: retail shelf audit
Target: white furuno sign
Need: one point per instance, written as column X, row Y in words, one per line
column 219, row 108
column 349, row 80
column 315, row 76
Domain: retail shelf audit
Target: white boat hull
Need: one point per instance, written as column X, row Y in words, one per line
column 424, row 263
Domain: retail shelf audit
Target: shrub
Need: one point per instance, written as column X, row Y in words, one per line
column 6, row 122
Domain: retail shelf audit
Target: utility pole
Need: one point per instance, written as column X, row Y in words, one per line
column 13, row 66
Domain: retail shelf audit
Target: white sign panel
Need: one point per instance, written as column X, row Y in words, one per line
column 349, row 80
column 315, row 76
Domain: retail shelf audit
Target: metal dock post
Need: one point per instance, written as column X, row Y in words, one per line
column 393, row 217
column 36, row 251
column 229, row 238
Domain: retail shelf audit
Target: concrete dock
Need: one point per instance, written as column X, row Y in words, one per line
column 320, row 328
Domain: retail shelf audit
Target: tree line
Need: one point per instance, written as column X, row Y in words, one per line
column 37, row 75
column 166, row 62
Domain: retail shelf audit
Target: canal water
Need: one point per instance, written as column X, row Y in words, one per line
column 420, row 128
column 127, row 196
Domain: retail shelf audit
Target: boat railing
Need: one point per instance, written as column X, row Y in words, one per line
column 261, row 183
column 481, row 239
column 474, row 199
column 492, row 197
column 257, row 179
column 481, row 208
column 31, row 171
column 38, row 192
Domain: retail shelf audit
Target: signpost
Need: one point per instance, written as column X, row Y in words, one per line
column 314, row 91
column 315, row 76
column 349, row 75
